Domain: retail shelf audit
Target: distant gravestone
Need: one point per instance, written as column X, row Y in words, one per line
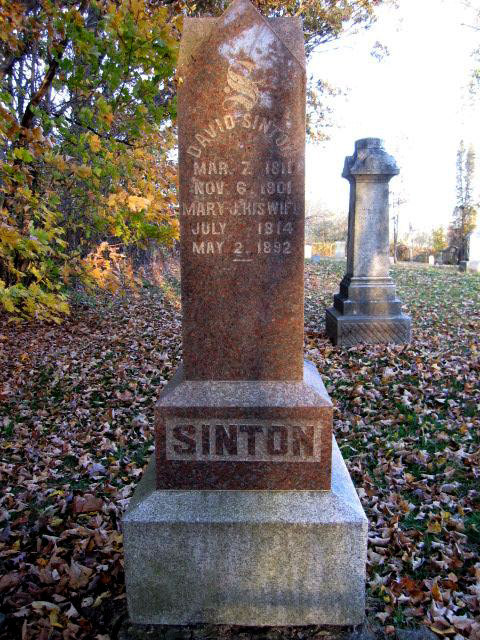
column 431, row 260
column 340, row 246
column 473, row 263
column 308, row 252
column 367, row 309
column 249, row 517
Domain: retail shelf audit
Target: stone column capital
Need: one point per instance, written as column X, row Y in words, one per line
column 370, row 162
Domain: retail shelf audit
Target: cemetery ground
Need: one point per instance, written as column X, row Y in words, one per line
column 76, row 416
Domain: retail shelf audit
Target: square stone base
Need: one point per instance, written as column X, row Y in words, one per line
column 347, row 331
column 254, row 558
column 472, row 266
column 197, row 409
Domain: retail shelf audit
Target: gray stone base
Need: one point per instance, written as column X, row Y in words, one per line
column 276, row 558
column 472, row 266
column 347, row 331
column 130, row 631
column 367, row 631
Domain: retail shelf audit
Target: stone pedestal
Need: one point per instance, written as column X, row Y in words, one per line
column 470, row 266
column 246, row 557
column 249, row 434
column 340, row 249
column 367, row 309
column 473, row 262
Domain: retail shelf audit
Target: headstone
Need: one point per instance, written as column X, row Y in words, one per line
column 340, row 246
column 308, row 252
column 367, row 309
column 249, row 516
column 450, row 255
column 473, row 263
column 431, row 260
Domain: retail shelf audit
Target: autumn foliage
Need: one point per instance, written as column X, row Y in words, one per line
column 77, row 419
column 87, row 136
column 85, row 143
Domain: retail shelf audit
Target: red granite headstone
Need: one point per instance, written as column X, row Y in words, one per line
column 242, row 413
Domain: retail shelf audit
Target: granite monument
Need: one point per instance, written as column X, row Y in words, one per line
column 367, row 309
column 473, row 262
column 248, row 516
column 340, row 249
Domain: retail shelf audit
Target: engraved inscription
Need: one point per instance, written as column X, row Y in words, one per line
column 210, row 168
column 243, row 196
column 209, row 188
column 241, row 89
column 219, row 127
column 242, row 440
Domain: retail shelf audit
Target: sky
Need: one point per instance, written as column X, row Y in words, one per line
column 416, row 99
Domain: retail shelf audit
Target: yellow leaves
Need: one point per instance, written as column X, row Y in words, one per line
column 33, row 269
column 134, row 203
column 9, row 236
column 150, row 22
column 127, row 191
column 33, row 301
column 57, row 492
column 114, row 198
column 436, row 593
column 103, row 267
column 175, row 225
column 434, row 527
column 95, row 143
column 7, row 302
column 37, row 134
column 65, row 272
column 137, row 203
column 62, row 306
column 107, row 117
column 53, row 611
column 56, row 160
column 77, row 17
column 177, row 22
column 83, row 171
column 53, row 617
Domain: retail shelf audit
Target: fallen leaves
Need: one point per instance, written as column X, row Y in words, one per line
column 76, row 420
column 87, row 503
column 77, row 430
column 407, row 421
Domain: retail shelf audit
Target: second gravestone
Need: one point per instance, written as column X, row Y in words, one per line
column 250, row 516
column 367, row 309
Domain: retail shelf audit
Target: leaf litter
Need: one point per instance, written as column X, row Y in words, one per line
column 76, row 420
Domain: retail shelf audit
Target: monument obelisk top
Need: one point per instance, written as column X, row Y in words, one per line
column 241, row 156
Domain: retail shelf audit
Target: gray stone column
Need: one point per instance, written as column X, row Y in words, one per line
column 473, row 262
column 367, row 310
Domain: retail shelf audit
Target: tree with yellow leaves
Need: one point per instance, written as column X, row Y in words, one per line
column 87, row 130
column 85, row 141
